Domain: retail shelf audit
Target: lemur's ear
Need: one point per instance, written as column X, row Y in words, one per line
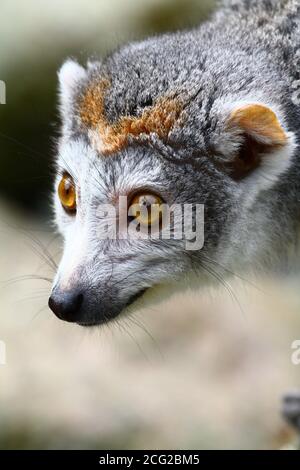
column 69, row 75
column 261, row 141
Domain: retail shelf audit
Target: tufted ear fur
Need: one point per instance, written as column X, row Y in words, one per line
column 69, row 75
column 260, row 142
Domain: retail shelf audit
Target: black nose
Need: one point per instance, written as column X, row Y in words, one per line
column 67, row 305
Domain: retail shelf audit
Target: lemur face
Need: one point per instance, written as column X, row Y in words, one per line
column 107, row 276
column 147, row 130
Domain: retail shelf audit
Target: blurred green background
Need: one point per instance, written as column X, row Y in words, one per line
column 199, row 371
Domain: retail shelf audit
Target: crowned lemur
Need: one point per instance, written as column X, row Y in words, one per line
column 210, row 117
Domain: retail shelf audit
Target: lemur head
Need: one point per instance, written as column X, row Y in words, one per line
column 159, row 122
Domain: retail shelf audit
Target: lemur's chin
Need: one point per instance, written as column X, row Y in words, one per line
column 151, row 297
column 88, row 324
column 134, row 298
column 144, row 298
column 74, row 306
column 104, row 319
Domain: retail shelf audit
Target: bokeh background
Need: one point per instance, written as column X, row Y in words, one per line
column 203, row 370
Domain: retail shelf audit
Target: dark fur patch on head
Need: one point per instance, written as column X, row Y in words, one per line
column 160, row 118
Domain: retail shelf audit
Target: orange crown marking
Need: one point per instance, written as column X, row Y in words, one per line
column 158, row 119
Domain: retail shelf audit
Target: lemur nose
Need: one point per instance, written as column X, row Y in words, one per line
column 66, row 305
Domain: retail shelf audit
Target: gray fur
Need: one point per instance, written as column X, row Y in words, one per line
column 248, row 51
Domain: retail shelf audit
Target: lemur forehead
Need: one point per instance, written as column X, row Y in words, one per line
column 112, row 137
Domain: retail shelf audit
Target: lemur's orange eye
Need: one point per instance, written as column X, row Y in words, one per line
column 146, row 208
column 67, row 193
